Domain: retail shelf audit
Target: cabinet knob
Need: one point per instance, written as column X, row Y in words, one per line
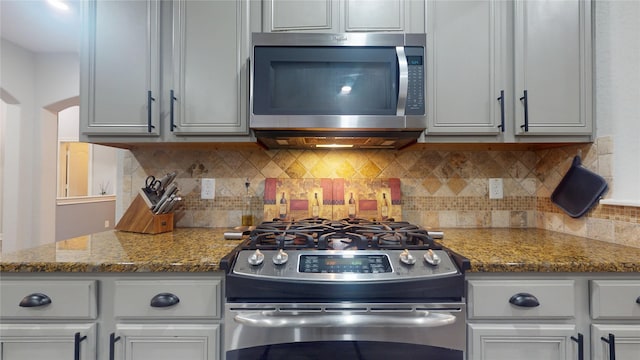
column 35, row 300
column 638, row 300
column 524, row 300
column 164, row 300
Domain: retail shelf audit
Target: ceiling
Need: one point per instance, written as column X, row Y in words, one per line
column 39, row 27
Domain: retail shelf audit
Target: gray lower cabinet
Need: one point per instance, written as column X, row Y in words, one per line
column 165, row 71
column 111, row 316
column 615, row 310
column 521, row 341
column 166, row 319
column 48, row 319
column 503, row 71
column 166, row 342
column 554, row 316
column 515, row 319
column 47, row 341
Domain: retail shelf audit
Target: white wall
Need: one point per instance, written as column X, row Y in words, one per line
column 17, row 79
column 617, row 77
column 40, row 85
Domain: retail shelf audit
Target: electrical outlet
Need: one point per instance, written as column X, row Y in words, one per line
column 106, row 223
column 208, row 189
column 495, row 188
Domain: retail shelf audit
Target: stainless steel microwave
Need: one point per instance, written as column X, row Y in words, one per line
column 353, row 89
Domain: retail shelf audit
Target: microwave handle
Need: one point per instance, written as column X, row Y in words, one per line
column 403, row 83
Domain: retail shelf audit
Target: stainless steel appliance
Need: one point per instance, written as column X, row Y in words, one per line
column 359, row 89
column 360, row 289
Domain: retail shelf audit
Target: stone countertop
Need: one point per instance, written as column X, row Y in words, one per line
column 200, row 250
column 183, row 250
column 537, row 250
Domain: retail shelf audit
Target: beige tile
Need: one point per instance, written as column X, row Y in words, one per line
column 605, row 145
column 500, row 218
column 272, row 170
column 369, row 170
column 627, row 233
column 574, row 226
column 600, row 229
column 296, row 170
column 554, row 222
column 456, row 184
column 605, row 165
column 518, row 219
column 432, row 185
column 447, row 218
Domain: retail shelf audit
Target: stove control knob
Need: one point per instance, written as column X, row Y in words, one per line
column 280, row 258
column 432, row 258
column 407, row 258
column 256, row 258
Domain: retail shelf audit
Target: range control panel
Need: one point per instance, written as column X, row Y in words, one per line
column 344, row 265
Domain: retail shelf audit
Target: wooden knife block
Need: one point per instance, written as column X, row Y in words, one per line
column 140, row 219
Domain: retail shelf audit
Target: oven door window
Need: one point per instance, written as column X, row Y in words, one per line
column 325, row 81
column 360, row 350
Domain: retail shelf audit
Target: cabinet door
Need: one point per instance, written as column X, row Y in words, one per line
column 47, row 341
column 384, row 15
column 522, row 342
column 627, row 341
column 553, row 65
column 210, row 42
column 167, row 342
column 296, row 15
column 465, row 50
column 120, row 71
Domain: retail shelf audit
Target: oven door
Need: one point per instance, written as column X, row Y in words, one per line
column 352, row 330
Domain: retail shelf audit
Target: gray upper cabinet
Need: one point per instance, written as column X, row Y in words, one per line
column 343, row 15
column 165, row 71
column 553, row 65
column 483, row 55
column 466, row 69
column 120, row 69
column 210, row 48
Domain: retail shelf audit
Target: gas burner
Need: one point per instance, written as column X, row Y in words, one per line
column 319, row 233
column 280, row 239
column 342, row 241
column 390, row 238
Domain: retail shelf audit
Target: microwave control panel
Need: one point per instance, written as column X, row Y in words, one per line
column 415, row 91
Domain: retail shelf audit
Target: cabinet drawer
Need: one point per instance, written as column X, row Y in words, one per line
column 615, row 299
column 492, row 299
column 167, row 299
column 58, row 299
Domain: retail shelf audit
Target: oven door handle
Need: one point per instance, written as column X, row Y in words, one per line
column 276, row 319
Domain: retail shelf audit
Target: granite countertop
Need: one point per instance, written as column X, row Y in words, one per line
column 537, row 250
column 200, row 250
column 183, row 250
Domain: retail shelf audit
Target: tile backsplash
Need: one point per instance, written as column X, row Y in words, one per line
column 440, row 188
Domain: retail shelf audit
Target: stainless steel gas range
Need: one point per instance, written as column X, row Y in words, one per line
column 363, row 289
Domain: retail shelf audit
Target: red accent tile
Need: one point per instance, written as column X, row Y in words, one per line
column 327, row 191
column 338, row 191
column 270, row 191
column 396, row 196
column 299, row 205
column 364, row 205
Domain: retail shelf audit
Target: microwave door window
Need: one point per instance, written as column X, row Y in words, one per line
column 324, row 81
